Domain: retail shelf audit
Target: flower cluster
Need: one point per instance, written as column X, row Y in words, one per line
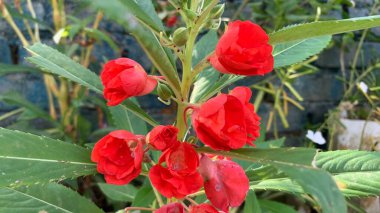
column 223, row 123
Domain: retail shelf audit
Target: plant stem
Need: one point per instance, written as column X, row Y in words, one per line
column 187, row 76
column 201, row 66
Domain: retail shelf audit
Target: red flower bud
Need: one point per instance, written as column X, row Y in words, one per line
column 227, row 122
column 171, row 208
column 171, row 21
column 119, row 156
column 181, row 159
column 203, row 208
column 123, row 78
column 226, row 184
column 171, row 185
column 243, row 50
column 162, row 137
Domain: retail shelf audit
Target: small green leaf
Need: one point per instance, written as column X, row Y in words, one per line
column 251, row 203
column 13, row 68
column 277, row 143
column 287, row 156
column 223, row 82
column 269, row 206
column 278, row 184
column 145, row 196
column 348, row 161
column 319, row 184
column 359, row 184
column 17, row 100
column 322, row 28
column 134, row 108
column 122, row 193
column 99, row 35
column 28, row 159
column 124, row 119
column 297, row 51
column 44, row 198
column 52, row 61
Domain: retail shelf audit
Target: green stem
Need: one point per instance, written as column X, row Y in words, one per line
column 187, row 76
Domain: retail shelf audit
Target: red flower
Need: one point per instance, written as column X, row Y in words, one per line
column 171, row 208
column 226, row 184
column 171, row 185
column 203, row 208
column 243, row 50
column 123, row 78
column 171, row 21
column 119, row 156
column 181, row 177
column 252, row 120
column 162, row 137
column 227, row 122
column 181, row 159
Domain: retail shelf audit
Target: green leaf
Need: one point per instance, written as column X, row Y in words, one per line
column 278, row 184
column 348, row 161
column 124, row 119
column 126, row 14
column 297, row 51
column 322, row 28
column 358, row 172
column 57, row 63
column 269, row 206
column 209, row 76
column 223, row 82
column 359, row 184
column 277, row 143
column 99, row 35
column 44, row 198
column 122, row 193
column 286, row 156
column 296, row 163
column 134, row 108
column 251, row 203
column 13, row 68
column 262, row 173
column 145, row 196
column 28, row 159
column 319, row 184
column 52, row 61
column 17, row 100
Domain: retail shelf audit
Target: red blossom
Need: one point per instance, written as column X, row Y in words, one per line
column 227, row 122
column 119, row 156
column 123, row 78
column 171, row 21
column 203, row 208
column 171, row 185
column 162, row 137
column 181, row 159
column 226, row 184
column 243, row 50
column 171, row 208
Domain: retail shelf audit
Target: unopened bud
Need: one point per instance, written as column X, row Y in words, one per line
column 164, row 92
column 213, row 24
column 217, row 11
column 191, row 15
column 180, row 36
